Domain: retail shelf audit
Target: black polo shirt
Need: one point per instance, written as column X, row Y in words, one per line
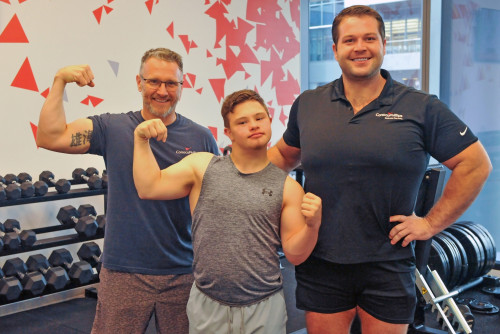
column 368, row 167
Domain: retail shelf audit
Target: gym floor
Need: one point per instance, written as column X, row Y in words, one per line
column 76, row 315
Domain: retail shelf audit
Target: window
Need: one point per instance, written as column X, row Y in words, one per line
column 403, row 24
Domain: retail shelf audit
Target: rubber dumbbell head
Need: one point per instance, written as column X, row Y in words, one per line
column 10, row 240
column 93, row 180
column 28, row 237
column 90, row 252
column 41, row 188
column 33, row 282
column 12, row 191
column 27, row 188
column 10, row 288
column 62, row 185
column 56, row 277
column 68, row 215
column 89, row 210
column 79, row 272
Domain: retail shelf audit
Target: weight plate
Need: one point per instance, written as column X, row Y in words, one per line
column 489, row 244
column 492, row 311
column 454, row 259
column 492, row 290
column 438, row 261
column 475, row 304
column 473, row 248
column 485, row 242
column 463, row 256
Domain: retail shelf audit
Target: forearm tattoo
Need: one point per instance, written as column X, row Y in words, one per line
column 81, row 138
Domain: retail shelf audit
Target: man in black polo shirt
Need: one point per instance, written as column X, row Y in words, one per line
column 364, row 142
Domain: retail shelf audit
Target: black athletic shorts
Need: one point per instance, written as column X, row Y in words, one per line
column 385, row 290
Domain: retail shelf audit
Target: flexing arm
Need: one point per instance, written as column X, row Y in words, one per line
column 300, row 222
column 173, row 182
column 53, row 132
column 470, row 169
column 284, row 156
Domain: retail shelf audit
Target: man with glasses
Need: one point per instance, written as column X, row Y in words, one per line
column 147, row 253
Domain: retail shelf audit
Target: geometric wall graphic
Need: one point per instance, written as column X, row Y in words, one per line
column 13, row 32
column 92, row 100
column 24, row 78
column 226, row 45
column 114, row 66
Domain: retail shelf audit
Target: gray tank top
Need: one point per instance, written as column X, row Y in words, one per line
column 236, row 233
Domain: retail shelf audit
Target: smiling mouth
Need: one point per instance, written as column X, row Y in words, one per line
column 161, row 100
column 360, row 59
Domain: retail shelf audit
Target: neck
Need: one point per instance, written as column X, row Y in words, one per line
column 360, row 92
column 249, row 161
column 167, row 120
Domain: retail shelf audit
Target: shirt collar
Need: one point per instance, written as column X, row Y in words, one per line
column 385, row 97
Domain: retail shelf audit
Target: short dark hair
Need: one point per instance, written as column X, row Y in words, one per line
column 164, row 54
column 240, row 96
column 357, row 11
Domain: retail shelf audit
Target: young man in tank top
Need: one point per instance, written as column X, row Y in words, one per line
column 244, row 208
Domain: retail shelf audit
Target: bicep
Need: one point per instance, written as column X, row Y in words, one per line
column 178, row 180
column 291, row 214
column 474, row 156
column 75, row 138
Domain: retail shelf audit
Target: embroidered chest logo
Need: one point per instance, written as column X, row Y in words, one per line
column 267, row 191
column 185, row 151
column 390, row 115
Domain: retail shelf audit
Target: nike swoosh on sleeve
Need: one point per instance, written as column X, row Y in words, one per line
column 463, row 133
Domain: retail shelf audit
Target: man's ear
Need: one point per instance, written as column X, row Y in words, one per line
column 138, row 80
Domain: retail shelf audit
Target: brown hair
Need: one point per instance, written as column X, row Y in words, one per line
column 164, row 54
column 240, row 96
column 357, row 11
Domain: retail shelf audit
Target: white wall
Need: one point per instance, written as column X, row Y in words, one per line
column 50, row 34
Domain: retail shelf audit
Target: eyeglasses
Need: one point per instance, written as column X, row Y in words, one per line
column 156, row 84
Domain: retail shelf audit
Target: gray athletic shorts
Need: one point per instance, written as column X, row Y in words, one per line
column 207, row 316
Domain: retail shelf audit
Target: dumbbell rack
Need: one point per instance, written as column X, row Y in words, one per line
column 60, row 296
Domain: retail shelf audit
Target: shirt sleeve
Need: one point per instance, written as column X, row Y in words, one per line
column 291, row 136
column 446, row 135
column 98, row 140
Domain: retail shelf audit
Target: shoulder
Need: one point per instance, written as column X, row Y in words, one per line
column 292, row 191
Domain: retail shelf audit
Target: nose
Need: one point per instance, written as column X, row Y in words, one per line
column 162, row 90
column 360, row 45
column 253, row 124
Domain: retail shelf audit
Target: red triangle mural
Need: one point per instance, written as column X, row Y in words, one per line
column 24, row 78
column 98, row 14
column 45, row 93
column 218, row 88
column 6, row 1
column 214, row 131
column 170, row 29
column 34, row 129
column 95, row 100
column 149, row 5
column 13, row 32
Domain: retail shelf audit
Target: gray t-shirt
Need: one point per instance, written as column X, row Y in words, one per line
column 236, row 233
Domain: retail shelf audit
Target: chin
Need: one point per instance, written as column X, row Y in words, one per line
column 161, row 114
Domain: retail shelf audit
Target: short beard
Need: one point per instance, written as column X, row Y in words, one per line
column 161, row 115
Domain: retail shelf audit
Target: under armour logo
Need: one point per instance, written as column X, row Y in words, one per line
column 267, row 191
